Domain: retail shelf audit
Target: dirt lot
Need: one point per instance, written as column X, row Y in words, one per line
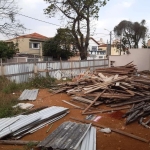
column 112, row 141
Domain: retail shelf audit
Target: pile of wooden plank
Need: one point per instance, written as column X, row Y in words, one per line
column 115, row 87
column 128, row 69
column 138, row 111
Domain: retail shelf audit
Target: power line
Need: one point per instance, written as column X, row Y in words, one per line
column 53, row 23
column 102, row 33
column 38, row 20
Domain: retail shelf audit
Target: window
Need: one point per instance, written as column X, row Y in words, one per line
column 94, row 48
column 102, row 52
column 34, row 45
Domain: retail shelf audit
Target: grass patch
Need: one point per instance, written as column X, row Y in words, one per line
column 7, row 99
column 8, row 87
column 30, row 146
column 42, row 82
column 6, row 103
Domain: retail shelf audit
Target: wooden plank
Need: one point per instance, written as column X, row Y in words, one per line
column 17, row 142
column 130, row 102
column 98, row 96
column 108, row 110
column 72, row 104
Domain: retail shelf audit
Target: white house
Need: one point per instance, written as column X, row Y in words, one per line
column 93, row 51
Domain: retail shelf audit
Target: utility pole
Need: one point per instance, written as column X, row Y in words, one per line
column 110, row 41
column 107, row 53
column 109, row 48
column 120, row 45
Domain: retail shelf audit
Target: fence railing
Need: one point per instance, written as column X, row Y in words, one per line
column 21, row 72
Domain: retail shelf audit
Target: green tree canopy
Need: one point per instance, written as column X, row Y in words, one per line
column 131, row 32
column 7, row 50
column 59, row 46
column 79, row 14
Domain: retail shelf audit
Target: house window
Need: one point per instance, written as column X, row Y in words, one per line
column 34, row 45
column 94, row 48
column 102, row 52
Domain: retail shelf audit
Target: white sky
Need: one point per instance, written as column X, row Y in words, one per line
column 109, row 16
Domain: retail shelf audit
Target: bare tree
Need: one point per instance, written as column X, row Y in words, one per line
column 9, row 26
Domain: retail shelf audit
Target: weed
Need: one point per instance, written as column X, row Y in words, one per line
column 10, row 88
column 7, row 100
column 6, row 103
column 30, row 146
column 42, row 82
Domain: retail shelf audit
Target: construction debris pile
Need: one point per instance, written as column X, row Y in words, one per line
column 19, row 126
column 139, row 110
column 71, row 136
column 115, row 86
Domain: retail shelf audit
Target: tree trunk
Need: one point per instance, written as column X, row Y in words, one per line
column 83, row 53
column 136, row 45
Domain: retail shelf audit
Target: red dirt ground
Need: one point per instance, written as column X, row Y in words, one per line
column 112, row 141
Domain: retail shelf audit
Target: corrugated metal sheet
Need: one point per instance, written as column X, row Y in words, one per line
column 29, row 95
column 67, row 136
column 23, row 71
column 38, row 127
column 19, row 124
column 89, row 141
column 5, row 122
column 25, row 120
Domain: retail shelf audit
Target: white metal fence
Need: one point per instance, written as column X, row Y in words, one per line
column 21, row 72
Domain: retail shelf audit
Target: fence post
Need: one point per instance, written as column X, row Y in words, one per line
column 93, row 64
column 60, row 64
column 2, row 68
column 35, row 67
column 80, row 65
column 71, row 69
column 47, row 70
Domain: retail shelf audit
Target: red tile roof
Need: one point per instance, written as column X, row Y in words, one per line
column 103, row 45
column 33, row 35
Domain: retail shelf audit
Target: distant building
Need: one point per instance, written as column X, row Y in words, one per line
column 30, row 43
column 106, row 48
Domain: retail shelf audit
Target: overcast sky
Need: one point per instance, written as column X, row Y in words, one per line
column 109, row 16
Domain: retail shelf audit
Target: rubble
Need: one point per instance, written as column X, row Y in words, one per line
column 114, row 87
column 118, row 88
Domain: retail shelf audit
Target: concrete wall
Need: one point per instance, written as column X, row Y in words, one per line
column 140, row 57
column 16, row 60
column 115, row 51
